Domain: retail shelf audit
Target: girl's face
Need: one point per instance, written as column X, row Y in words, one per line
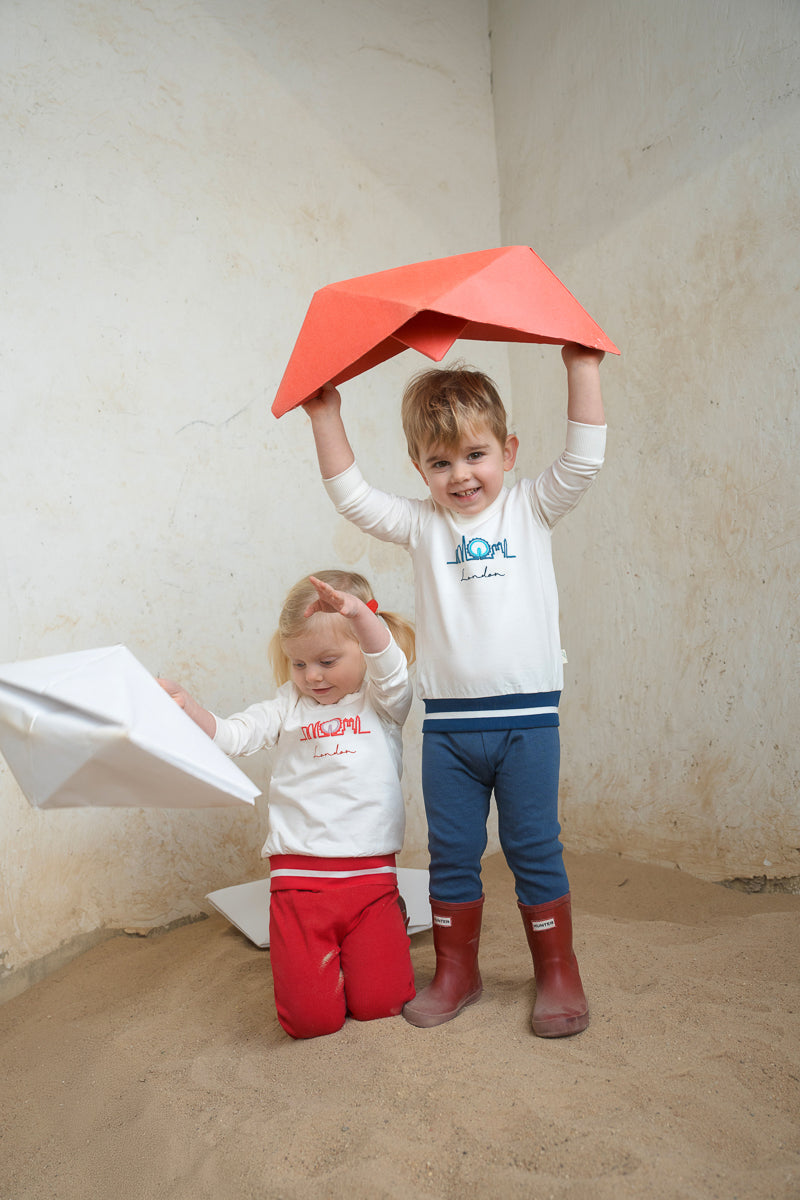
column 326, row 663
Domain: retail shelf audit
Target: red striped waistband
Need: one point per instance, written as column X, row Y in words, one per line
column 306, row 871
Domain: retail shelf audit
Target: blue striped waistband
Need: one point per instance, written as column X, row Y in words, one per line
column 527, row 710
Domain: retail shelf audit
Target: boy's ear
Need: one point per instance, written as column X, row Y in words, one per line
column 510, row 452
column 422, row 473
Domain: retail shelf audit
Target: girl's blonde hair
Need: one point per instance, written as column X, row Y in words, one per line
column 292, row 623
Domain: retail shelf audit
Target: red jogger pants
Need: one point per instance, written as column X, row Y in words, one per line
column 338, row 952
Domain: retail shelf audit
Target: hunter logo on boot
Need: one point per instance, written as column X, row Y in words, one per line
column 446, row 921
column 538, row 926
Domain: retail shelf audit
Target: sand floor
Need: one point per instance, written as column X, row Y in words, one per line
column 155, row 1068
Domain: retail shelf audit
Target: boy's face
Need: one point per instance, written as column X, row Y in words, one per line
column 468, row 477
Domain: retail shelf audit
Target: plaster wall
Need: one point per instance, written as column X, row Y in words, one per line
column 650, row 154
column 178, row 178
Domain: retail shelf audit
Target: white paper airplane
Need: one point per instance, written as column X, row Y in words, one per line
column 95, row 728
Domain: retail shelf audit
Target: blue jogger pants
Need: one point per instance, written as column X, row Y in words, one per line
column 459, row 773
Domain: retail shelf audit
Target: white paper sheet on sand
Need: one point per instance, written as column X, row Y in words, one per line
column 246, row 905
column 95, row 728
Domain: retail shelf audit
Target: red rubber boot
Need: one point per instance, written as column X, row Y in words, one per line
column 560, row 1008
column 457, row 982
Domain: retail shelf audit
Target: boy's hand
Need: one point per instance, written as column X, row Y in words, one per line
column 574, row 353
column 330, row 601
column 327, row 400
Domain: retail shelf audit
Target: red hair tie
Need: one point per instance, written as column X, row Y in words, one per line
column 372, row 605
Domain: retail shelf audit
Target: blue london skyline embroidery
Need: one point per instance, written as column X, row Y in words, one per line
column 478, row 549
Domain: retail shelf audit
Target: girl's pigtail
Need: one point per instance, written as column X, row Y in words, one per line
column 402, row 631
column 278, row 660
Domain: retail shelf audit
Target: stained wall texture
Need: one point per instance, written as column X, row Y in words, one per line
column 178, row 178
column 653, row 151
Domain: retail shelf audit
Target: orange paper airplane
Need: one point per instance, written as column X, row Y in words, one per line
column 505, row 295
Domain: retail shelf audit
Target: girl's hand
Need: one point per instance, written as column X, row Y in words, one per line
column 181, row 697
column 326, row 401
column 330, row 601
column 369, row 630
column 201, row 716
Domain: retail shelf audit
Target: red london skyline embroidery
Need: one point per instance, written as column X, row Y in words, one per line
column 333, row 727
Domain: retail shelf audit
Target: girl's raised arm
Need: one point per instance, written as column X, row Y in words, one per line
column 372, row 634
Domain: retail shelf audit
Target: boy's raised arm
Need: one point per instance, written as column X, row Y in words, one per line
column 584, row 397
column 333, row 449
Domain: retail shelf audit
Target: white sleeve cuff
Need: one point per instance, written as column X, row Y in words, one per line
column 385, row 662
column 586, row 441
column 222, row 737
column 341, row 487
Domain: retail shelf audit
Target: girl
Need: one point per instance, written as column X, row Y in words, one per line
column 338, row 943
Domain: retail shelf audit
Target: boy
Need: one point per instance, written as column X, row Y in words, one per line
column 489, row 660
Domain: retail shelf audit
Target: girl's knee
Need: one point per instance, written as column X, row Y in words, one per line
column 373, row 1003
column 375, row 1011
column 302, row 1026
column 304, row 1013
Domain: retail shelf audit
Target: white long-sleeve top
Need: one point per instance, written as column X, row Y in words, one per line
column 335, row 787
column 486, row 599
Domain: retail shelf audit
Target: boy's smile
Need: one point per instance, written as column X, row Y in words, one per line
column 466, row 478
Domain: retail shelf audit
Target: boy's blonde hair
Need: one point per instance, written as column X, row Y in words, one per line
column 440, row 405
column 292, row 623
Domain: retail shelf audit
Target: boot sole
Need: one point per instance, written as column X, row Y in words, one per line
column 423, row 1020
column 561, row 1026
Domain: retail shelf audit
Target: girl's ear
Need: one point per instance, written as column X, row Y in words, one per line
column 510, row 452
